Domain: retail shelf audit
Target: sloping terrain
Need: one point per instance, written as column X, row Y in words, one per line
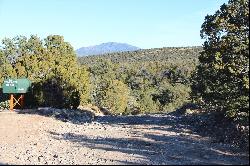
column 33, row 137
column 176, row 55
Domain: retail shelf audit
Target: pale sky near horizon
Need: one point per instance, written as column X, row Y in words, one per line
column 142, row 23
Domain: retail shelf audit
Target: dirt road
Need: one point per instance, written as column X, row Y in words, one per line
column 156, row 139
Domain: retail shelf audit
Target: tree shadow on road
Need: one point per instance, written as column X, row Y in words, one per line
column 212, row 125
column 64, row 115
column 156, row 148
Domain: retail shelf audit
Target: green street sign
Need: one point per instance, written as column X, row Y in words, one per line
column 16, row 85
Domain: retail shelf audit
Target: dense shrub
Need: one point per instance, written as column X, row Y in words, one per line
column 4, row 105
column 116, row 97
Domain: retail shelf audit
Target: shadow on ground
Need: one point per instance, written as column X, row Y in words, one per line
column 221, row 130
column 65, row 115
column 155, row 148
column 159, row 150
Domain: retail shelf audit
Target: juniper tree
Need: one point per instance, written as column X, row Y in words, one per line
column 222, row 78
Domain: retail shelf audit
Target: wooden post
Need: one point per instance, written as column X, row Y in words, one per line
column 11, row 102
column 22, row 101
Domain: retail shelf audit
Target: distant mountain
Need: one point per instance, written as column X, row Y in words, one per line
column 104, row 48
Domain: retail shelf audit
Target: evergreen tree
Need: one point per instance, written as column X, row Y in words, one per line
column 222, row 78
column 51, row 65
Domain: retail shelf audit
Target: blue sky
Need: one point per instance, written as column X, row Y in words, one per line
column 143, row 23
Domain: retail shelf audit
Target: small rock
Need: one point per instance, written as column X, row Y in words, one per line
column 55, row 156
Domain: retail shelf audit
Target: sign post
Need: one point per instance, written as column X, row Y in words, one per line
column 16, row 86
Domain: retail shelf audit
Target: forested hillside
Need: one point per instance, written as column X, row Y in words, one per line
column 145, row 81
column 170, row 54
column 149, row 81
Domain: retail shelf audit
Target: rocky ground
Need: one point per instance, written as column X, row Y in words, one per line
column 57, row 137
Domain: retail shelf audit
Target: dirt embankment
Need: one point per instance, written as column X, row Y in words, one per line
column 39, row 138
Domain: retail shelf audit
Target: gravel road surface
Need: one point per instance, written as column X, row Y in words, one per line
column 31, row 138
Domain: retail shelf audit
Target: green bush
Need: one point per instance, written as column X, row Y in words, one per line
column 5, row 105
column 148, row 105
column 116, row 97
column 133, row 106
